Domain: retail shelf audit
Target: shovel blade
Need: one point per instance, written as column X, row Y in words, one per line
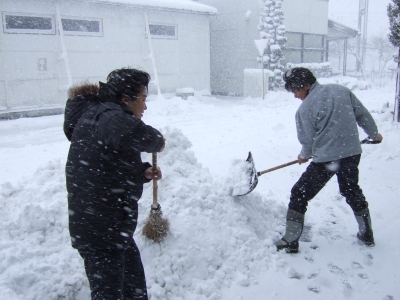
column 253, row 178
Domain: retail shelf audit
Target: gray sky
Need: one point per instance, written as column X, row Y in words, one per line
column 346, row 12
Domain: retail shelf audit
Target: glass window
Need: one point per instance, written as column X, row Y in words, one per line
column 293, row 56
column 77, row 26
column 293, row 40
column 28, row 23
column 313, row 41
column 310, row 56
column 163, row 31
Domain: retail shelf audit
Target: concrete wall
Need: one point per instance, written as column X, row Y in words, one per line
column 33, row 71
column 232, row 43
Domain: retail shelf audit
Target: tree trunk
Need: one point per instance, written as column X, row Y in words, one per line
column 396, row 114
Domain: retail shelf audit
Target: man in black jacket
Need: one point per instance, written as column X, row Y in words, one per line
column 105, row 176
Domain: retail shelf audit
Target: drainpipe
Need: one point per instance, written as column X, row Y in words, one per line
column 5, row 74
column 152, row 55
column 64, row 48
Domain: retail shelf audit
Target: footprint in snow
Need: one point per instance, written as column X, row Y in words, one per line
column 335, row 270
column 314, row 289
column 368, row 258
column 363, row 276
column 356, row 265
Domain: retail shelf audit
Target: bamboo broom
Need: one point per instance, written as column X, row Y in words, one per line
column 156, row 227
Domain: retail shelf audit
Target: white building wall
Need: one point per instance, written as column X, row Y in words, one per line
column 26, row 82
column 232, row 37
column 306, row 16
column 232, row 43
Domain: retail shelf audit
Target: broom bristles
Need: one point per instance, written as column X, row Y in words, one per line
column 156, row 227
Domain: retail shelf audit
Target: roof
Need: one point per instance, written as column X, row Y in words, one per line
column 182, row 5
column 337, row 31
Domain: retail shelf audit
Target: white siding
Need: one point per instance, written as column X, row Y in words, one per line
column 232, row 40
column 33, row 71
column 306, row 16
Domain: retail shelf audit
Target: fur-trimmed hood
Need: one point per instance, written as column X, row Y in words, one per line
column 80, row 98
column 83, row 89
column 85, row 96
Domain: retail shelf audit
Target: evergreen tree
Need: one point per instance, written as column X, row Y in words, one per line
column 394, row 37
column 271, row 27
column 394, row 19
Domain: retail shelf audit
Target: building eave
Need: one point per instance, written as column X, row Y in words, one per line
column 205, row 11
column 337, row 31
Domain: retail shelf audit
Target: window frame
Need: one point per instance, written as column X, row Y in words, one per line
column 83, row 33
column 303, row 48
column 51, row 31
column 169, row 37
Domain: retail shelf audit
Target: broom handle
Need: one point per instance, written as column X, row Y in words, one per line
column 155, row 185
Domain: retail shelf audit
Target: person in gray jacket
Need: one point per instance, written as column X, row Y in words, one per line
column 327, row 129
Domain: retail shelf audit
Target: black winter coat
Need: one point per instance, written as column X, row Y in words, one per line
column 104, row 170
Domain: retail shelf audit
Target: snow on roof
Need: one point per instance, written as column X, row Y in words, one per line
column 342, row 24
column 187, row 5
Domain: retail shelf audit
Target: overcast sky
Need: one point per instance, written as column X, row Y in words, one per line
column 346, row 12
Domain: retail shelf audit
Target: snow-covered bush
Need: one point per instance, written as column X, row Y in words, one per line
column 319, row 69
column 271, row 27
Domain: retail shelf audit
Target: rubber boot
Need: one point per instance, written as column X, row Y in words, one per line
column 365, row 233
column 294, row 228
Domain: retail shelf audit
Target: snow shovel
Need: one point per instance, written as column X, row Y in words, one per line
column 156, row 227
column 254, row 174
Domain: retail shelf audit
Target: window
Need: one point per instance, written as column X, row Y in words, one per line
column 304, row 48
column 292, row 56
column 78, row 26
column 313, row 41
column 165, row 31
column 311, row 56
column 293, row 40
column 28, row 23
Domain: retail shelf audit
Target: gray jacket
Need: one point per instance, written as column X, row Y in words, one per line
column 327, row 123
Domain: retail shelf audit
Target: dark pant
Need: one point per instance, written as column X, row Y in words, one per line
column 115, row 274
column 318, row 174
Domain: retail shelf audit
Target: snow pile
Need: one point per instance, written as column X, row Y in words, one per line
column 311, row 66
column 215, row 239
column 35, row 242
column 320, row 70
column 347, row 81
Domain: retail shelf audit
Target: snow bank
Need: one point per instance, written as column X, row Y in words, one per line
column 35, row 241
column 347, row 81
column 214, row 240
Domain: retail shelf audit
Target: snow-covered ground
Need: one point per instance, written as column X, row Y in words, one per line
column 219, row 247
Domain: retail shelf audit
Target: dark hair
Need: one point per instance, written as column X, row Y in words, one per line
column 128, row 82
column 297, row 78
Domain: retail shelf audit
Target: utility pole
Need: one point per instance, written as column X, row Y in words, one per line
column 362, row 28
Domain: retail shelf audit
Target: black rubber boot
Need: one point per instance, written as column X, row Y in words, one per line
column 294, row 228
column 365, row 233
